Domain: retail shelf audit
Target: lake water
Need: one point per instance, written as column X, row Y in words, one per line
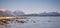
column 35, row 22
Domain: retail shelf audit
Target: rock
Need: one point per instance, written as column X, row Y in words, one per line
column 49, row 21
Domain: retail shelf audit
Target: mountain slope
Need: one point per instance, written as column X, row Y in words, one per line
column 18, row 13
column 10, row 13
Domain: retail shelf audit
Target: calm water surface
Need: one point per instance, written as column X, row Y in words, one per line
column 35, row 22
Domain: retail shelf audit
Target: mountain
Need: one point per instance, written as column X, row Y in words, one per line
column 3, row 9
column 10, row 13
column 18, row 13
column 50, row 14
column 45, row 14
column 5, row 12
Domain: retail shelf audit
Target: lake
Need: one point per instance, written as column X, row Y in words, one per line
column 34, row 22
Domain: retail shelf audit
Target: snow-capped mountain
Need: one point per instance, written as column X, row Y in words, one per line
column 51, row 14
column 10, row 13
column 45, row 14
column 18, row 13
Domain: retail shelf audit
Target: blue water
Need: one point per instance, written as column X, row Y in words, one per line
column 36, row 22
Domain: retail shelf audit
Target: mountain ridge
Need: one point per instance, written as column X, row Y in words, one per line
column 10, row 13
column 21, row 13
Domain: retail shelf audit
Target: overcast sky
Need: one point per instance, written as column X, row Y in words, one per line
column 31, row 6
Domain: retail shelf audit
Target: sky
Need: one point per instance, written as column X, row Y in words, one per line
column 31, row 6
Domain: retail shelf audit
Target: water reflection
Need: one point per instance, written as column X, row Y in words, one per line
column 33, row 22
column 6, row 22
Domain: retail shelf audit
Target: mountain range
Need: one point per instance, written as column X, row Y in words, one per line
column 10, row 13
column 45, row 14
column 20, row 13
